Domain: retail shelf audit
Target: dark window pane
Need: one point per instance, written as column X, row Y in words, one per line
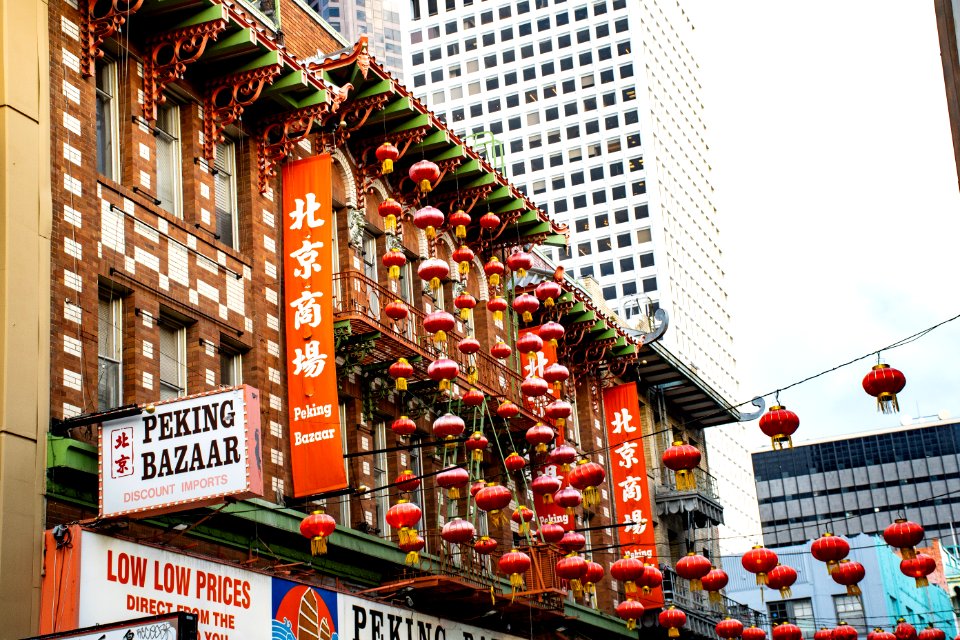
column 486, row 17
column 577, row 178
column 488, row 39
column 606, row 268
column 629, row 288
column 583, row 36
column 603, row 30
column 626, row 264
column 599, row 197
column 565, row 65
column 640, row 212
column 649, row 284
column 417, row 58
column 646, row 260
column 624, row 240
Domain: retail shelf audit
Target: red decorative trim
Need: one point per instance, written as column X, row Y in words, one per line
column 227, row 98
column 95, row 29
column 280, row 134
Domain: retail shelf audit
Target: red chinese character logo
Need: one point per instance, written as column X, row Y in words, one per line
column 123, row 441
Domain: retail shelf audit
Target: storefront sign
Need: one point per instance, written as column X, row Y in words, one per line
column 316, row 454
column 628, row 470
column 171, row 626
column 190, row 451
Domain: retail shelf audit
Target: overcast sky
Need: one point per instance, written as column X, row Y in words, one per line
column 835, row 177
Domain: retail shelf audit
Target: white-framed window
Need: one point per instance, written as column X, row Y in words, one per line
column 381, row 477
column 108, row 123
column 226, row 193
column 109, row 353
column 231, row 367
column 173, row 360
column 370, row 263
column 167, row 134
column 850, row 610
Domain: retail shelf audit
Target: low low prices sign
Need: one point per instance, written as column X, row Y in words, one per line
column 190, row 451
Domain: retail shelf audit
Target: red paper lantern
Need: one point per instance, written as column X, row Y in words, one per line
column 429, row 219
column 318, row 526
column 459, row 220
column 393, row 260
column 404, row 516
column 760, row 561
column 779, row 424
column 443, row 370
column 439, row 323
column 507, row 409
column 540, row 435
column 514, row 462
column 547, row 292
column 729, row 628
column 552, row 533
column 781, row 578
column 497, row 305
column 522, row 516
column 451, row 479
column 396, row 310
column 534, row 387
column 787, row 631
column 631, row 611
column 473, row 398
column 489, row 221
column 425, row 174
column 714, row 582
column 494, row 270
column 904, row 630
column 693, row 567
column 448, row 426
column 475, row 487
column 629, row 571
column 546, row 485
column 400, row 371
column 931, row 633
column 526, row 305
column 905, row 535
column 519, row 262
column 918, row 568
column 572, row 541
column 843, row 631
column 463, row 256
column 493, row 498
column 754, row 632
column 568, row 498
column 830, row 549
column 881, row 634
column 556, row 374
column 390, row 210
column 387, row 154
column 529, row 342
column 468, row 345
column 593, row 575
column 406, row 481
column 501, row 351
column 514, row 564
column 433, row 271
column 562, row 456
column 586, row 477
column 465, row 303
column 485, row 545
column 651, row 579
column 458, row 531
column 572, row 568
column 477, row 443
column 849, row 573
column 551, row 331
column 884, row 383
column 673, row 619
column 823, row 633
column 558, row 411
column 412, row 548
column 682, row 459
column 403, row 426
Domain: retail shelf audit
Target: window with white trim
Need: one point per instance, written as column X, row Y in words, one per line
column 109, row 353
column 173, row 360
column 166, row 131
column 226, row 193
column 108, row 129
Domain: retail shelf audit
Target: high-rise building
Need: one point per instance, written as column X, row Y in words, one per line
column 377, row 19
column 862, row 483
column 599, row 111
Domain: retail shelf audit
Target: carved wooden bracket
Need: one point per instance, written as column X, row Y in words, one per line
column 402, row 140
column 279, row 135
column 168, row 57
column 352, row 116
column 96, row 28
column 226, row 99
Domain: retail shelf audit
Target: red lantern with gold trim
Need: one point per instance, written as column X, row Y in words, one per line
column 779, row 424
column 317, row 527
column 522, row 516
column 458, row 531
column 545, row 486
column 463, row 256
column 572, row 568
column 459, row 220
column 728, row 628
column 489, row 221
column 552, row 533
column 787, row 631
column 693, row 567
column 514, row 462
column 412, row 548
column 519, row 262
column 558, row 411
column 673, row 620
column 830, row 549
column 931, row 633
column 759, row 560
column 572, row 541
column 547, row 292
column 429, row 219
column 526, row 305
column 563, row 455
column 823, row 633
column 403, row 426
column 406, row 481
column 404, row 517
column 465, row 302
column 540, row 435
column 849, row 574
column 556, row 374
column 476, row 444
column 473, row 398
column 551, row 331
column 568, row 498
column 387, row 154
column 452, row 479
column 534, row 387
column 468, row 345
column 442, row 371
column 400, row 371
column 651, row 579
column 682, row 459
column 918, row 568
column 514, row 564
column 390, row 210
column 433, row 271
column 439, row 323
column 904, row 630
column 393, row 260
column 593, row 575
column 448, row 426
column 501, row 351
column 497, row 305
column 843, row 631
column 781, row 578
column 485, row 545
column 629, row 571
column 904, row 535
column 754, row 632
column 631, row 611
column 884, row 383
column 396, row 310
column 425, row 175
column 494, row 270
column 714, row 582
column 587, row 477
column 493, row 498
column 507, row 409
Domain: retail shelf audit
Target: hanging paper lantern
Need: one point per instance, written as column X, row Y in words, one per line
column 904, row 535
column 494, row 270
column 439, row 323
column 587, row 477
column 931, row 633
column 781, row 578
column 448, row 426
column 507, row 409
column 754, row 632
column 400, row 371
column 451, row 479
column 425, row 174
column 463, row 256
column 459, row 220
column 540, row 435
column 519, row 262
column 884, row 383
column 475, row 487
column 562, row 456
column 843, row 631
column 568, row 498
column 433, row 270
column 443, row 370
column 514, row 564
column 468, row 345
column 390, row 210
column 631, row 611
column 473, row 398
column 529, row 343
column 545, row 486
column 393, row 259
column 905, row 630
column 682, row 459
column 572, row 568
column 403, row 426
column 485, row 545
column 429, row 219
column 514, row 462
column 826, row 634
column 693, row 567
column 404, row 516
column 779, row 424
column 672, row 619
column 493, row 498
column 525, row 305
column 387, row 154
column 849, row 573
column 881, row 634
column 556, row 374
column 406, row 481
column 412, row 548
column 551, row 331
column 317, row 527
column 787, row 631
column 629, row 571
column 830, row 549
column 534, row 387
column 497, row 305
column 729, row 628
column 572, row 541
column 760, row 561
column 465, row 303
column 522, row 516
column 558, row 411
column 458, row 531
column 552, row 533
column 918, row 568
column 593, row 575
column 396, row 310
column 547, row 292
column 651, row 579
column 476, row 444
column 500, row 350
column 489, row 221
column 714, row 582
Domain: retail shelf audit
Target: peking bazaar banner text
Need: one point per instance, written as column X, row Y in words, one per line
column 313, row 407
column 189, row 451
column 628, row 470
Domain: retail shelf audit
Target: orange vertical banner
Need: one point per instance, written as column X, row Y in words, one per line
column 628, row 472
column 316, row 454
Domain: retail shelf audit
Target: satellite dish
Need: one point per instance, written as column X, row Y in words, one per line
column 943, row 414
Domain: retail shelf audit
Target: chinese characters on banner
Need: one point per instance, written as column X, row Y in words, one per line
column 313, row 407
column 628, row 471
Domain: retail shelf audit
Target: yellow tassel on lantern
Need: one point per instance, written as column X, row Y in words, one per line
column 548, row 302
column 465, row 314
column 497, row 518
column 407, row 535
column 527, row 316
column 561, row 422
column 591, row 496
column 542, row 448
column 762, row 580
column 453, row 493
column 558, row 386
column 472, row 375
column 785, row 592
column 425, row 186
column 431, row 233
column 547, row 497
column 715, row 597
column 461, row 231
column 401, row 384
column 435, row 284
column 553, row 342
column 521, row 272
column 524, row 526
column 632, row 624
column 386, row 166
column 498, row 316
column 577, row 587
column 477, row 455
column 318, row 545
column 516, row 582
column 673, row 633
column 532, row 359
column 854, row 590
column 494, row 279
column 463, row 268
column 391, row 223
column 923, row 582
column 439, row 337
column 413, row 558
column 630, row 588
column 696, row 585
column 445, row 385
column 394, row 273
column 685, row 480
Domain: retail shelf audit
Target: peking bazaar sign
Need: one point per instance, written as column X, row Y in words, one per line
column 189, row 451
column 313, row 408
column 628, row 471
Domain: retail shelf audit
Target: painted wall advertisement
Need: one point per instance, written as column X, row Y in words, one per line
column 123, row 580
column 192, row 450
column 628, row 469
column 312, row 403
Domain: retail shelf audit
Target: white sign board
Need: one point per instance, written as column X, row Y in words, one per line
column 187, row 451
column 166, row 627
